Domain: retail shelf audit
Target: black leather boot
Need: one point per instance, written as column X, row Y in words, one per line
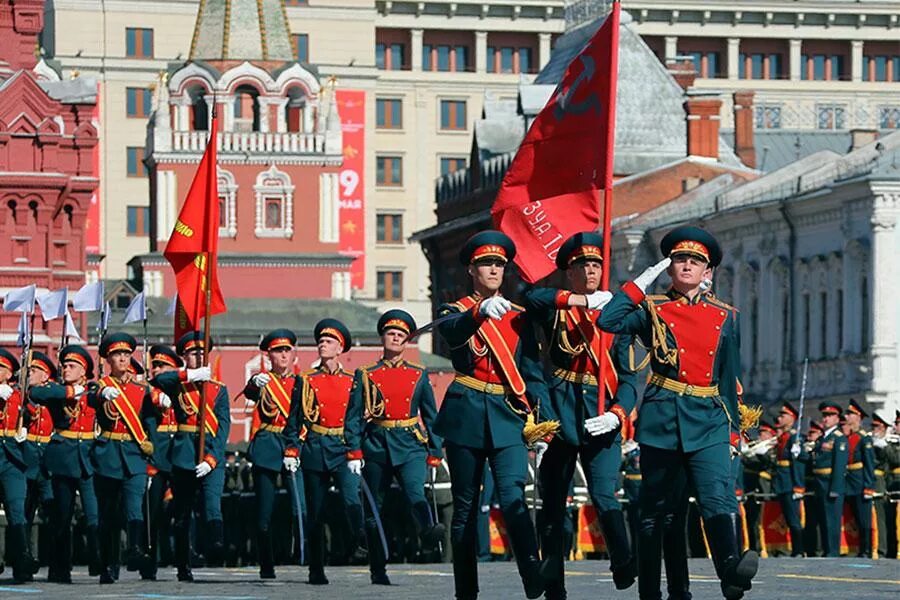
column 796, row 542
column 734, row 568
column 649, row 554
column 23, row 565
column 93, row 551
column 621, row 561
column 266, row 559
column 674, row 545
column 465, row 570
column 216, row 554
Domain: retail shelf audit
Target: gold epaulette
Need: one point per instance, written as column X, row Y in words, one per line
column 657, row 298
column 838, row 433
column 416, row 365
column 719, row 303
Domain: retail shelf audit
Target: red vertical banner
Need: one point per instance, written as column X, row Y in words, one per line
column 352, row 108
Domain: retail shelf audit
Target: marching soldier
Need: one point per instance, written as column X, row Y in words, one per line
column 393, row 394
column 758, row 462
column 162, row 360
column 39, row 493
column 68, row 455
column 829, row 467
column 188, row 475
column 789, row 485
column 881, row 449
column 567, row 318
column 498, row 385
column 811, row 506
column 126, row 419
column 330, row 450
column 859, row 488
column 690, row 406
column 12, row 470
column 272, row 392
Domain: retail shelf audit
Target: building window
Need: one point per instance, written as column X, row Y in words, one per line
column 453, row 115
column 831, row 116
column 705, row 63
column 390, row 285
column 767, row 116
column 389, row 57
column 227, row 204
column 507, row 59
column 138, row 221
column 881, row 68
column 138, row 102
column 274, row 204
column 389, row 229
column 760, row 66
column 445, row 58
column 389, row 171
column 135, row 159
column 452, row 165
column 889, row 117
column 301, row 46
column 823, row 67
column 389, row 113
column 138, row 43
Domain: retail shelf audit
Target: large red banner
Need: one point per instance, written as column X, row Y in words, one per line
column 352, row 108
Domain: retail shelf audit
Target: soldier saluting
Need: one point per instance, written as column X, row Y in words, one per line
column 498, row 386
column 393, row 393
column 272, row 392
column 568, row 319
column 690, row 406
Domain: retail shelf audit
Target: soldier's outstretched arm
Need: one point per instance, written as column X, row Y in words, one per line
column 50, row 393
column 169, row 382
column 624, row 313
column 458, row 331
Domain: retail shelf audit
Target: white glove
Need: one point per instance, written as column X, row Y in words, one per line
column 747, row 450
column 261, row 380
column 809, row 446
column 628, row 446
column 795, row 450
column 644, row 280
column 495, row 307
column 203, row 469
column 598, row 299
column 164, row 400
column 796, row 496
column 21, row 435
column 879, row 442
column 868, row 497
column 291, row 463
column 540, row 447
column 355, row 466
column 201, row 374
column 110, row 393
column 603, row 424
column 762, row 450
column 78, row 390
column 5, row 391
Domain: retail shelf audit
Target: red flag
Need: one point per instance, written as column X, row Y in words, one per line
column 553, row 187
column 193, row 246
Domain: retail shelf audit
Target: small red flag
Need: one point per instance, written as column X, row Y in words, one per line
column 553, row 187
column 193, row 247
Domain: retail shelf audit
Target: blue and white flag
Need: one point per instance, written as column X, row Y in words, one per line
column 71, row 332
column 172, row 306
column 22, row 331
column 103, row 323
column 20, row 299
column 89, row 298
column 54, row 305
column 137, row 310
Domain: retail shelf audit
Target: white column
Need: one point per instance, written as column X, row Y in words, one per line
column 263, row 104
column 415, row 58
column 795, row 60
column 856, row 60
column 671, row 47
column 544, row 49
column 734, row 55
column 481, row 51
column 884, row 293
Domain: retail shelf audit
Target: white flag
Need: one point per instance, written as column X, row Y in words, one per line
column 22, row 330
column 172, row 306
column 71, row 331
column 103, row 323
column 54, row 304
column 137, row 310
column 89, row 298
column 20, row 299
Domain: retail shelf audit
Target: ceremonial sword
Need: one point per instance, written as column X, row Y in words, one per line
column 802, row 399
column 299, row 513
column 374, row 507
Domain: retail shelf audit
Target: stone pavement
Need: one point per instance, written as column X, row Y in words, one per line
column 779, row 578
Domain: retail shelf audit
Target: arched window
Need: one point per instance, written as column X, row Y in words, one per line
column 227, row 204
column 274, row 204
column 199, row 108
column 246, row 108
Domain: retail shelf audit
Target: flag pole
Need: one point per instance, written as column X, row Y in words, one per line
column 25, row 374
column 103, row 318
column 201, row 416
column 605, row 206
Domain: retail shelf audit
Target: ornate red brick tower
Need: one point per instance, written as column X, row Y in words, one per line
column 280, row 150
column 47, row 175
